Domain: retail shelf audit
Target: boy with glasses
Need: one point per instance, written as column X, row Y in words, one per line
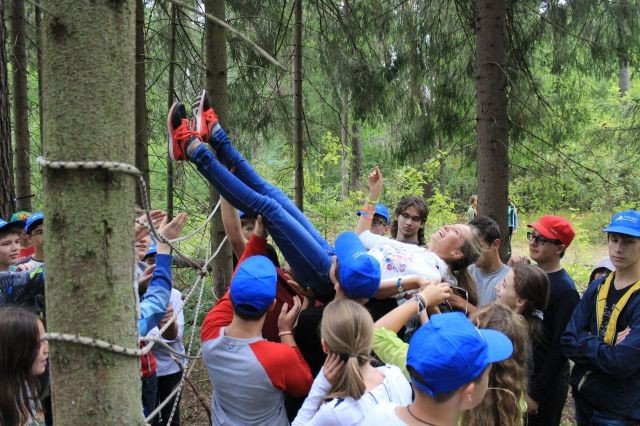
column 603, row 336
column 548, row 240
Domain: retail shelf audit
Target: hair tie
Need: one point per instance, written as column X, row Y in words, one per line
column 538, row 314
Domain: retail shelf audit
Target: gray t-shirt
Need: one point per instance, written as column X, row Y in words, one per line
column 487, row 282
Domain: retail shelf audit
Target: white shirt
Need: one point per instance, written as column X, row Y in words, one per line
column 165, row 360
column 384, row 415
column 399, row 259
column 348, row 411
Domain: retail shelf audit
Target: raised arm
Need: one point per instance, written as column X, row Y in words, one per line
column 375, row 190
column 432, row 294
column 232, row 227
column 156, row 298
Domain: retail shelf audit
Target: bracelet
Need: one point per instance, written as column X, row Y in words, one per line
column 373, row 202
column 420, row 302
column 285, row 333
column 399, row 286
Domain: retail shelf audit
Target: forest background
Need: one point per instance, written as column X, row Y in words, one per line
column 383, row 83
column 362, row 83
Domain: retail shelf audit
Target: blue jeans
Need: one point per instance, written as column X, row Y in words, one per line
column 587, row 415
column 308, row 254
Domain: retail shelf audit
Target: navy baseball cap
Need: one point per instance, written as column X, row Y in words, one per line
column 626, row 222
column 449, row 352
column 253, row 286
column 18, row 224
column 358, row 271
column 380, row 210
column 34, row 220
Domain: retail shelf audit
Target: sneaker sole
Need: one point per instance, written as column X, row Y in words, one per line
column 170, row 130
column 198, row 116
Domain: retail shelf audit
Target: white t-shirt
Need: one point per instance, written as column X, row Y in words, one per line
column 486, row 283
column 384, row 415
column 348, row 411
column 401, row 259
column 164, row 359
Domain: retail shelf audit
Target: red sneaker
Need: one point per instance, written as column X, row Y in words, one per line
column 204, row 118
column 179, row 132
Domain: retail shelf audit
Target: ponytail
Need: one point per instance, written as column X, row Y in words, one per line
column 347, row 329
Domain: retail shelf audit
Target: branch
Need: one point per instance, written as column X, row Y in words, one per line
column 228, row 27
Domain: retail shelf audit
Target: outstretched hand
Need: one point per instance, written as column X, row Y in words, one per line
column 141, row 231
column 435, row 293
column 288, row 317
column 375, row 183
column 258, row 229
column 173, row 229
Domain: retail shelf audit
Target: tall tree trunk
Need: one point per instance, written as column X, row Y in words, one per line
column 20, row 107
column 216, row 60
column 7, row 190
column 356, row 156
column 298, row 142
column 491, row 105
column 142, row 130
column 344, row 142
column 38, row 20
column 171, row 87
column 624, row 75
column 88, row 61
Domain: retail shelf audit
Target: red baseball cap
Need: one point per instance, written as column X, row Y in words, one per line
column 555, row 228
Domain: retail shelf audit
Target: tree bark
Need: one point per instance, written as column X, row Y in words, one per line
column 491, row 104
column 344, row 141
column 20, row 107
column 88, row 61
column 216, row 59
column 7, row 190
column 356, row 156
column 298, row 142
column 38, row 20
column 142, row 129
column 171, row 87
column 624, row 75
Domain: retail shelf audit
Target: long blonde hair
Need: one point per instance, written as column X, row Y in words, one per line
column 508, row 378
column 347, row 329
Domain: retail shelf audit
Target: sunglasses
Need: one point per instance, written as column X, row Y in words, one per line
column 540, row 240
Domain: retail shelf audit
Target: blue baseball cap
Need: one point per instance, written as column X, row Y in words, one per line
column 35, row 219
column 380, row 210
column 626, row 222
column 18, row 224
column 449, row 352
column 358, row 272
column 153, row 250
column 253, row 286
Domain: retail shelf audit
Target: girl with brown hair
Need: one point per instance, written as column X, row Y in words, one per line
column 504, row 402
column 23, row 357
column 348, row 386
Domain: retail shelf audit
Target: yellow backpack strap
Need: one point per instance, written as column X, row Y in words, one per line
column 603, row 291
column 601, row 301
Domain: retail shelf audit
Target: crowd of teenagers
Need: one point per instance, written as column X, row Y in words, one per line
column 386, row 326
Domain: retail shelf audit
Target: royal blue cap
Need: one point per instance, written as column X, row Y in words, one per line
column 626, row 222
column 34, row 220
column 358, row 272
column 253, row 286
column 153, row 250
column 380, row 210
column 449, row 352
column 18, row 224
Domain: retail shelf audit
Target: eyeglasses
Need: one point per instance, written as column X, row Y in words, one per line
column 540, row 240
column 378, row 222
